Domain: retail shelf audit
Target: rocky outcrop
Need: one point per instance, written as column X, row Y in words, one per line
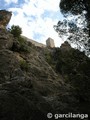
column 5, row 17
column 29, row 87
column 6, row 40
column 65, row 46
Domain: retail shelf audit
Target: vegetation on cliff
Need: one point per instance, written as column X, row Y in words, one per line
column 35, row 81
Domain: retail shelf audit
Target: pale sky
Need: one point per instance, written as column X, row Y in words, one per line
column 35, row 17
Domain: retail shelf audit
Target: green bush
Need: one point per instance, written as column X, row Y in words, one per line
column 48, row 58
column 24, row 65
column 16, row 31
column 23, row 45
column 20, row 45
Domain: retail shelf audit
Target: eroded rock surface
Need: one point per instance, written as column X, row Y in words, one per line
column 5, row 17
column 29, row 87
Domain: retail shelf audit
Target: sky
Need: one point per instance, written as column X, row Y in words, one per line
column 35, row 17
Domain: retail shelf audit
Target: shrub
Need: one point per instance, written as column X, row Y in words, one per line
column 20, row 44
column 23, row 45
column 16, row 31
column 24, row 65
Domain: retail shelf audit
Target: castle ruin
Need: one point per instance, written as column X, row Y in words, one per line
column 50, row 43
column 5, row 17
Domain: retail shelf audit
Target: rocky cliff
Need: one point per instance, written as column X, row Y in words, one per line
column 30, row 86
column 5, row 17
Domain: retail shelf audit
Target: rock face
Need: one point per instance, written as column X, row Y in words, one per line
column 6, row 41
column 5, row 17
column 65, row 46
column 29, row 87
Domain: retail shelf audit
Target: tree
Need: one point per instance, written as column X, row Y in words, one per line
column 16, row 31
column 76, row 7
column 76, row 24
column 75, row 32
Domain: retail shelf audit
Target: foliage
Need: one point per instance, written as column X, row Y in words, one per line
column 23, row 45
column 75, row 32
column 20, row 44
column 76, row 24
column 48, row 57
column 74, row 66
column 76, row 7
column 16, row 31
column 24, row 65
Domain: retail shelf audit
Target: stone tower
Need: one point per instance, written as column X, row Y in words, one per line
column 50, row 42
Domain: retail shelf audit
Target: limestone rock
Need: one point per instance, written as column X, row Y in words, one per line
column 29, row 87
column 6, row 39
column 65, row 46
column 5, row 17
